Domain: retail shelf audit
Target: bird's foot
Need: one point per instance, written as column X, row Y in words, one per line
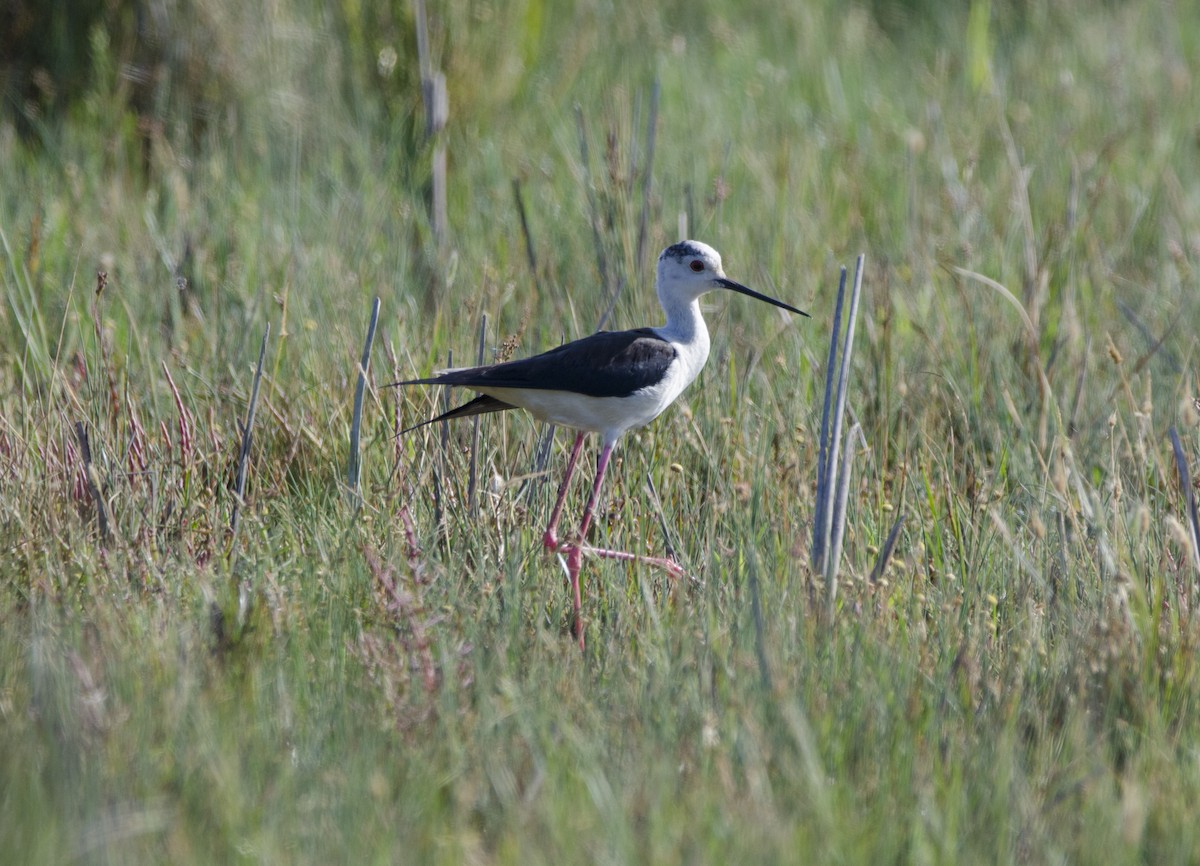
column 674, row 570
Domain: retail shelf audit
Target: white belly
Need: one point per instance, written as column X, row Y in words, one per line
column 609, row 415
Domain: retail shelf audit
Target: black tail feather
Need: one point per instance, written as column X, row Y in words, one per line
column 481, row 405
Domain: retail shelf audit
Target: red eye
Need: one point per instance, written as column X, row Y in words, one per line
column 697, row 265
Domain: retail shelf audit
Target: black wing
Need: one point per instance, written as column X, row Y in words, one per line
column 606, row 364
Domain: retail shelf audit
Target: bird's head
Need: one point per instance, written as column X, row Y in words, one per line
column 688, row 269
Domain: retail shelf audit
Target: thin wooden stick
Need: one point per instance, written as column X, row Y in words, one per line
column 672, row 551
column 839, row 409
column 1189, row 494
column 354, row 466
column 473, row 480
column 838, row 514
column 833, row 475
column 439, row 511
column 247, row 430
column 885, row 552
column 436, row 97
column 819, row 537
column 760, row 643
column 529, row 253
column 93, row 485
column 541, row 459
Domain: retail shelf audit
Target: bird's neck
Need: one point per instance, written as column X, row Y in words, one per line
column 685, row 327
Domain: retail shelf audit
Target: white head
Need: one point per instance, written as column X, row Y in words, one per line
column 688, row 269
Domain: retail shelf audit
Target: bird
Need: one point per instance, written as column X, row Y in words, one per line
column 607, row 383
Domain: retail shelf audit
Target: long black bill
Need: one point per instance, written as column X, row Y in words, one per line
column 742, row 290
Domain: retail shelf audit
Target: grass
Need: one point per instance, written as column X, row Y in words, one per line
column 395, row 681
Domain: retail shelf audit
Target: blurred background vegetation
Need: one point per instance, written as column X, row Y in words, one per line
column 397, row 683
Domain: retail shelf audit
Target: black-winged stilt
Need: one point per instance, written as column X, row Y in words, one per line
column 607, row 383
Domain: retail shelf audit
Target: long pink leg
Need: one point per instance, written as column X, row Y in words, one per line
column 670, row 565
column 590, row 508
column 575, row 551
column 550, row 538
